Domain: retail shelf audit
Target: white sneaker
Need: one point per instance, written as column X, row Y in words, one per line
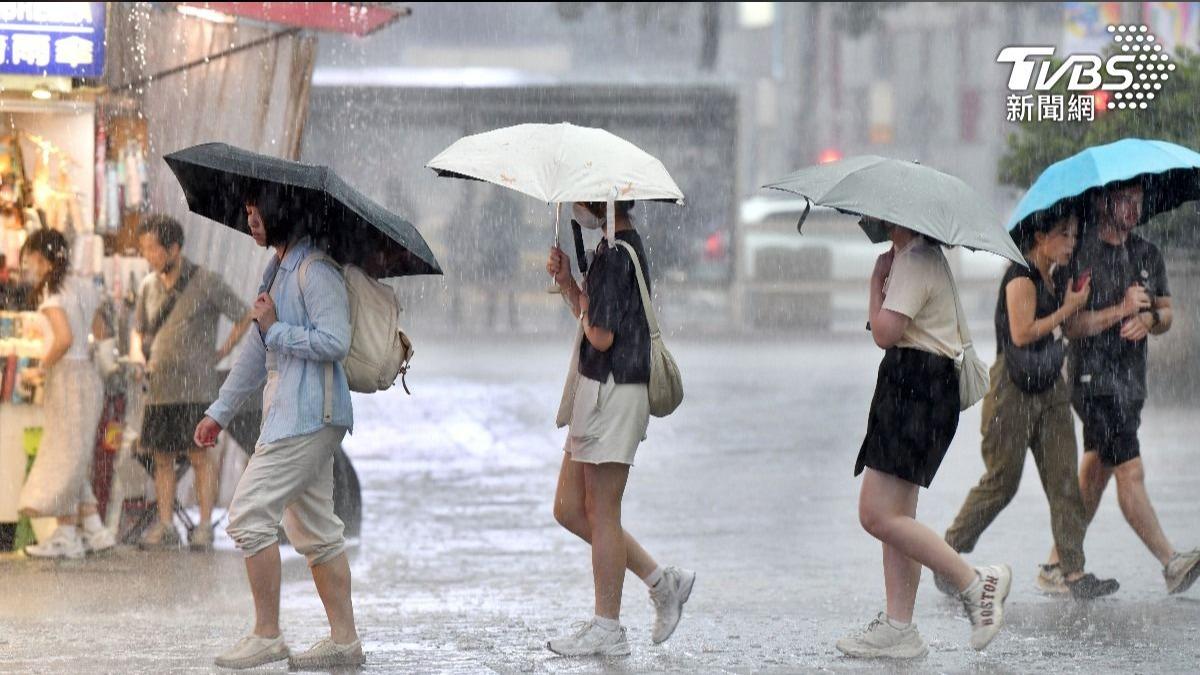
column 1050, row 580
column 1181, row 572
column 252, row 651
column 984, row 603
column 100, row 540
column 58, row 545
column 880, row 640
column 328, row 654
column 591, row 640
column 668, row 596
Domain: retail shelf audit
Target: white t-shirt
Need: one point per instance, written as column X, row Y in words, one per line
column 78, row 299
column 919, row 287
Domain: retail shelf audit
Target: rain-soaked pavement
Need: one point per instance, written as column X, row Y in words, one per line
column 461, row 567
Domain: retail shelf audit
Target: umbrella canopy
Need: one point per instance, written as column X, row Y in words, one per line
column 908, row 194
column 215, row 178
column 558, row 163
column 1169, row 172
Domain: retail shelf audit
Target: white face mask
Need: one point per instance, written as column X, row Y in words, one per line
column 586, row 218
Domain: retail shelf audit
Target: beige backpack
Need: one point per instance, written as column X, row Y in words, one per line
column 379, row 350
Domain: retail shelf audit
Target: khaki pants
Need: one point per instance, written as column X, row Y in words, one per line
column 290, row 480
column 1013, row 421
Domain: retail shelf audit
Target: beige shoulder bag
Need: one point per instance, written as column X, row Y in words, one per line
column 666, row 384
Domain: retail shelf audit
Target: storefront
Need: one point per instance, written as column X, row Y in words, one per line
column 91, row 96
column 60, row 168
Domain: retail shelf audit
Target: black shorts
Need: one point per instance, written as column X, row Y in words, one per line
column 914, row 415
column 170, row 427
column 1110, row 427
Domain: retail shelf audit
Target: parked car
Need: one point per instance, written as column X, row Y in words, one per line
column 817, row 278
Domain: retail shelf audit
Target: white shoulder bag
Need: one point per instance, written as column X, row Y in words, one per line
column 972, row 371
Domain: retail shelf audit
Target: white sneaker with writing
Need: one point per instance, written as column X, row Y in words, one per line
column 984, row 603
column 880, row 640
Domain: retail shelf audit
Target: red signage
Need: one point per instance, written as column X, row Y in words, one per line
column 355, row 18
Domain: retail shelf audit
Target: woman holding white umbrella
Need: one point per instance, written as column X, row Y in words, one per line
column 607, row 422
column 618, row 368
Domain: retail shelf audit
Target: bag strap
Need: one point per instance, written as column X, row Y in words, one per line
column 963, row 335
column 164, row 312
column 651, row 318
column 317, row 254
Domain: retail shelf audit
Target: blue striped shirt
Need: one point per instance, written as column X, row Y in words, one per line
column 312, row 329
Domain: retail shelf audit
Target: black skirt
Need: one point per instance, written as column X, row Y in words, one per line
column 914, row 415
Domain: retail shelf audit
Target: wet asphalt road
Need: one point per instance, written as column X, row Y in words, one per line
column 461, row 567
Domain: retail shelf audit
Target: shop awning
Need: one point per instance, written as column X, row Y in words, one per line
column 355, row 18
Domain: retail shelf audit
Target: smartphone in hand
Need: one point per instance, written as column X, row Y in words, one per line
column 1083, row 279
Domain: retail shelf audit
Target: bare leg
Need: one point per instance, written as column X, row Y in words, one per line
column 885, row 509
column 604, row 486
column 262, row 570
column 901, row 576
column 202, row 468
column 570, row 512
column 1139, row 513
column 1093, row 478
column 333, row 585
column 164, row 486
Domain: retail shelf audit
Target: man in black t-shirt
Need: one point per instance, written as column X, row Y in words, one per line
column 1129, row 301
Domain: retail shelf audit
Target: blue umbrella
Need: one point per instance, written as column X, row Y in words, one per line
column 1169, row 174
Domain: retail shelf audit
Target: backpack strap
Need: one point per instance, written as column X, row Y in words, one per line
column 317, row 254
column 651, row 318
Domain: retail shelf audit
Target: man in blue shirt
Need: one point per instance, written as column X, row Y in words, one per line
column 303, row 336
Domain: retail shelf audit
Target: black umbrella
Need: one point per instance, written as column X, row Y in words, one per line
column 216, row 178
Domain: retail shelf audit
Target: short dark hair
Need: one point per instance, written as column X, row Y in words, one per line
column 282, row 210
column 1043, row 222
column 166, row 229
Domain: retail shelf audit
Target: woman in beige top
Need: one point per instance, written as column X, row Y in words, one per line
column 914, row 414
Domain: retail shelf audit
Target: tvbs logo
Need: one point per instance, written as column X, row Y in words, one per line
column 1133, row 74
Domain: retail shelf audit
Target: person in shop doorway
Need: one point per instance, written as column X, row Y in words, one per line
column 178, row 311
column 59, row 483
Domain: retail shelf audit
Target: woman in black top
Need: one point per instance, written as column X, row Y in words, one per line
column 608, row 420
column 1028, row 406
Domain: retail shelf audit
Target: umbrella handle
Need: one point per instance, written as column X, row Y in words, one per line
column 554, row 288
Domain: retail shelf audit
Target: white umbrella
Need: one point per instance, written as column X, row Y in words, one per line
column 908, row 194
column 559, row 163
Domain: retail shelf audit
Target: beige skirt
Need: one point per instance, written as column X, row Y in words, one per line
column 61, row 477
column 608, row 421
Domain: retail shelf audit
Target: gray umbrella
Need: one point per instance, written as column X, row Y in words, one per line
column 905, row 193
